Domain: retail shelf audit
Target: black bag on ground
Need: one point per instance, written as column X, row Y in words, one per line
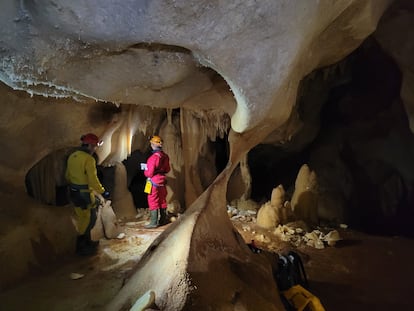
column 290, row 271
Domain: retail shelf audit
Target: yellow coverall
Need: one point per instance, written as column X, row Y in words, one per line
column 81, row 174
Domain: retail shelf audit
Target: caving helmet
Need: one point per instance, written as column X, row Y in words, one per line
column 156, row 140
column 91, row 139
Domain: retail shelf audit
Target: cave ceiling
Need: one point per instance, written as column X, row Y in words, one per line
column 154, row 53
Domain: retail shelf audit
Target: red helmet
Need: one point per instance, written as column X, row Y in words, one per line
column 91, row 139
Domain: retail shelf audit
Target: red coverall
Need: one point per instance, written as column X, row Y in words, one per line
column 158, row 164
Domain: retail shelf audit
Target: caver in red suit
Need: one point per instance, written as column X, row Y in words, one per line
column 158, row 164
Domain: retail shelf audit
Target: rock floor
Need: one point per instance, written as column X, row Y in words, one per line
column 361, row 272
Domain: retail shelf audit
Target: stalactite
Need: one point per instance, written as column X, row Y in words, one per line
column 213, row 123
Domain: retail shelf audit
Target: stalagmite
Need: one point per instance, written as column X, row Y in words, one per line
column 267, row 216
column 278, row 196
column 305, row 198
column 276, row 211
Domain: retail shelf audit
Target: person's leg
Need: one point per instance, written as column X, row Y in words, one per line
column 163, row 217
column 86, row 219
column 163, row 197
column 162, row 193
column 92, row 222
column 153, row 219
column 153, row 206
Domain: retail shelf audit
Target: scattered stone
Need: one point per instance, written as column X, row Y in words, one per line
column 76, row 276
column 246, row 228
column 121, row 236
column 262, row 238
column 332, row 237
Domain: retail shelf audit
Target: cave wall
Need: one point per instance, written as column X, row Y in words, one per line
column 166, row 55
column 394, row 37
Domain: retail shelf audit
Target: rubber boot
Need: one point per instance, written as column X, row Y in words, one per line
column 83, row 247
column 153, row 220
column 163, row 217
column 89, row 241
column 80, row 244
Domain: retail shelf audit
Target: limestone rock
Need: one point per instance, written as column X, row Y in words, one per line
column 267, row 216
column 332, row 237
column 278, row 196
column 123, row 204
column 305, row 198
column 276, row 211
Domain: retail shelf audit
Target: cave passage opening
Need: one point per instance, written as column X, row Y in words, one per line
column 360, row 115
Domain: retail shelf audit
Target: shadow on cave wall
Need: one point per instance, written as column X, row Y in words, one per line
column 46, row 181
column 361, row 113
column 136, row 178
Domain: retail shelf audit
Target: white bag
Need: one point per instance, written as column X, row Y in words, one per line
column 109, row 221
column 106, row 225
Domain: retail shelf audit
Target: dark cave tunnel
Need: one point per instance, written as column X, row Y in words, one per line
column 362, row 104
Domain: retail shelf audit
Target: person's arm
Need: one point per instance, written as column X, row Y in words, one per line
column 93, row 181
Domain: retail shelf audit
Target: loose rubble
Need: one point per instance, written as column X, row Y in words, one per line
column 296, row 233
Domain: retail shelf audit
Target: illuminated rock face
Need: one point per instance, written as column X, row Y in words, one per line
column 232, row 68
column 148, row 52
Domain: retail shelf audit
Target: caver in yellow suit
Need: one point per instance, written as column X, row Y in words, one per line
column 83, row 180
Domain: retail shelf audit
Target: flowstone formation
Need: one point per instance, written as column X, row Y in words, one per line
column 231, row 69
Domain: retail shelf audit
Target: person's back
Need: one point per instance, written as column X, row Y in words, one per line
column 82, row 176
column 158, row 164
column 81, row 170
